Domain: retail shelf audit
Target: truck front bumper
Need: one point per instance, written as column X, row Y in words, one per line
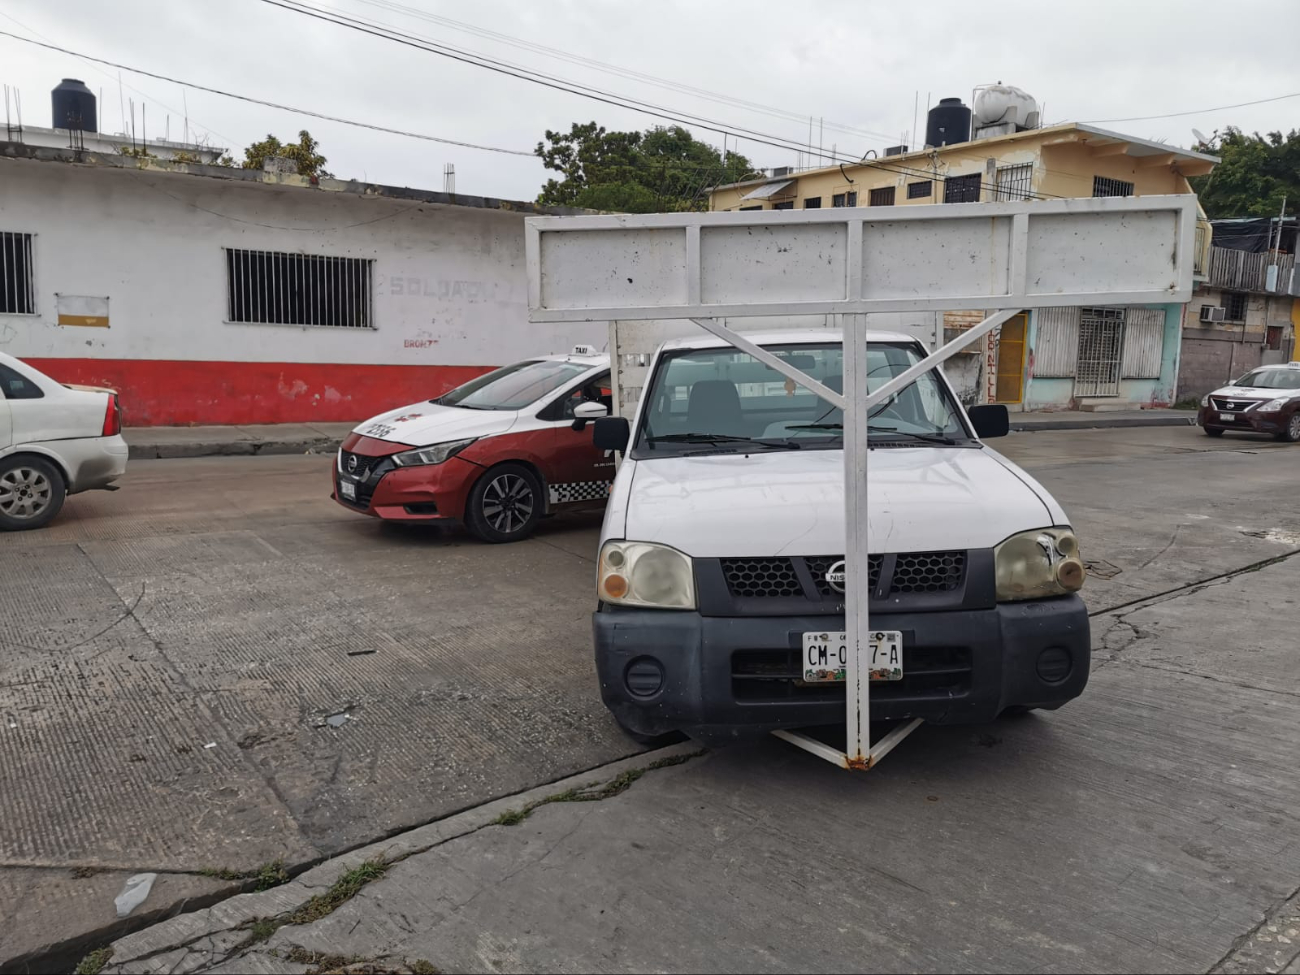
column 717, row 678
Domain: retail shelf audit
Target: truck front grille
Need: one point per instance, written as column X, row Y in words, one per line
column 776, row 578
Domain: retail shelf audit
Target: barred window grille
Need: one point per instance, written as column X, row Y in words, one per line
column 919, row 190
column 17, row 291
column 1103, row 186
column 849, row 199
column 277, row 288
column 1234, row 306
column 882, row 197
column 962, row 189
column 1014, row 182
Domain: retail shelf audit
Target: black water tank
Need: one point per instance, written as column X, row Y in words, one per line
column 74, row 106
column 948, row 123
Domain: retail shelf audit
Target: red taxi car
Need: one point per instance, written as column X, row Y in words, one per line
column 496, row 454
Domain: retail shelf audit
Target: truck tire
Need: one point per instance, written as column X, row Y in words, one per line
column 31, row 493
column 505, row 504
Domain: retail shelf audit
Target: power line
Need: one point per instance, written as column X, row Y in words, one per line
column 1197, row 111
column 577, row 59
column 573, row 88
column 268, row 104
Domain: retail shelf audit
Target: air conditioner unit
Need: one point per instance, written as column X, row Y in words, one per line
column 782, row 170
column 1210, row 313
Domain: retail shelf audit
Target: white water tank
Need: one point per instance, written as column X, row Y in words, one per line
column 1001, row 104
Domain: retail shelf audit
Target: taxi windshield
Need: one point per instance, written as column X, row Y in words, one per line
column 1271, row 379
column 513, row 387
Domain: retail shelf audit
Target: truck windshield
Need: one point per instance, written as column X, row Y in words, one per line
column 722, row 399
column 1271, row 379
column 513, row 387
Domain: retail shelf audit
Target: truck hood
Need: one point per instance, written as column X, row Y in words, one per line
column 792, row 502
column 422, row 424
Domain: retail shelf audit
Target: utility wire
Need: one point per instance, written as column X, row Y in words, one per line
column 607, row 68
column 268, row 104
column 559, row 84
column 1197, row 111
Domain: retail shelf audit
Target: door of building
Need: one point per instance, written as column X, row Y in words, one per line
column 1101, row 341
column 1011, row 360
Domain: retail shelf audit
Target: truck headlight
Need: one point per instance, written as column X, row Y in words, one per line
column 436, row 454
column 1034, row 564
column 645, row 574
column 1273, row 405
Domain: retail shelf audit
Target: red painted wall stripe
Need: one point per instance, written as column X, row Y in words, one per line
column 164, row 392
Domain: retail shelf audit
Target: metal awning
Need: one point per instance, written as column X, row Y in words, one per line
column 767, row 190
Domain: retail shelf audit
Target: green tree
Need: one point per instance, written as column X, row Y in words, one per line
column 1256, row 172
column 659, row 170
column 304, row 153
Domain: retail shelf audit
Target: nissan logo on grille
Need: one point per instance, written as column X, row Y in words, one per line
column 352, row 463
column 835, row 576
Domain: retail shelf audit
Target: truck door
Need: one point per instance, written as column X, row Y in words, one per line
column 578, row 472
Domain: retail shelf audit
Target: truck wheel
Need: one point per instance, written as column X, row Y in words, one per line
column 505, row 504
column 31, row 493
column 1292, row 432
column 1212, row 432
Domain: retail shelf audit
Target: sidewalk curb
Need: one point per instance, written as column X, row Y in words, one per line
column 232, row 448
column 1102, row 422
column 224, row 926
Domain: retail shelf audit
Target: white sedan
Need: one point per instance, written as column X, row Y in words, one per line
column 55, row 440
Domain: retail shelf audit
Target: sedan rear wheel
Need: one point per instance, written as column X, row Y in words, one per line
column 31, row 493
column 505, row 504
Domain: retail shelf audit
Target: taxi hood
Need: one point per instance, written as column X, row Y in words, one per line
column 424, row 423
column 792, row 502
column 1252, row 393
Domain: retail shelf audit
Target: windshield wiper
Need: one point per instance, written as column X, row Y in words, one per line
column 817, row 426
column 699, row 438
column 923, row 437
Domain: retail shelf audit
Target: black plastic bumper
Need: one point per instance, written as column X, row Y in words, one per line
column 716, row 677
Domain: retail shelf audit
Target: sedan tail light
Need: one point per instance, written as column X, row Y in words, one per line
column 112, row 417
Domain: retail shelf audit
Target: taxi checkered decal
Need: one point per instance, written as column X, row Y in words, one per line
column 579, row 491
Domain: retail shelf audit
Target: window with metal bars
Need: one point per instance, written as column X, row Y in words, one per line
column 1014, row 182
column 783, row 205
column 920, row 189
column 883, row 197
column 849, row 199
column 276, row 288
column 1104, row 186
column 812, row 203
column 17, row 290
column 1234, row 306
column 962, row 189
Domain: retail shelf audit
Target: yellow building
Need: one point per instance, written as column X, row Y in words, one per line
column 1052, row 358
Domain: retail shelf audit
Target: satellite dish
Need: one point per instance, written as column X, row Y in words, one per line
column 1200, row 137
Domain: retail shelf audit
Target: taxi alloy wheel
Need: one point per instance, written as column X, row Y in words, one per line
column 31, row 493
column 505, row 504
column 1292, row 433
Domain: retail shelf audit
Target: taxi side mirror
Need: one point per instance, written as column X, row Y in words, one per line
column 611, row 433
column 589, row 410
column 990, row 421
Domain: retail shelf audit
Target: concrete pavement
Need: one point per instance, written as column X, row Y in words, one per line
column 217, row 601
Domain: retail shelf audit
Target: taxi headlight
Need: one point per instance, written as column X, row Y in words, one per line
column 1273, row 405
column 435, row 454
column 1205, row 400
column 645, row 574
column 1039, row 563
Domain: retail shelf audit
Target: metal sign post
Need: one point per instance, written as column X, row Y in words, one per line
column 847, row 262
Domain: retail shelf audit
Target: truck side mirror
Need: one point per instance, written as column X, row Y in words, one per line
column 589, row 410
column 990, row 421
column 611, row 433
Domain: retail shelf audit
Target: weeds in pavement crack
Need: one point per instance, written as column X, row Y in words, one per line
column 615, row 786
column 268, row 875
column 94, row 962
column 342, row 890
column 325, row 964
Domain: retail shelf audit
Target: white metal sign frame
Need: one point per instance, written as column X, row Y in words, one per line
column 847, row 262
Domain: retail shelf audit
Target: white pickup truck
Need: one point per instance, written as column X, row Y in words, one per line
column 721, row 573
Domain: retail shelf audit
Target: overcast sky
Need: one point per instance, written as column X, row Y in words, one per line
column 857, row 64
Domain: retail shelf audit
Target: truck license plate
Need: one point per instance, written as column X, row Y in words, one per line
column 826, row 655
column 348, row 490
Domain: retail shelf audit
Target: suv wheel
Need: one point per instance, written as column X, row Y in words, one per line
column 505, row 504
column 31, row 493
